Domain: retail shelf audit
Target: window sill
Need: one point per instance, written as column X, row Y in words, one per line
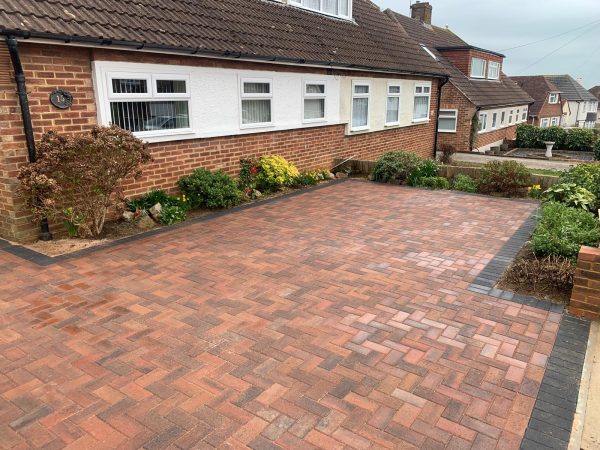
column 247, row 126
column 447, row 131
column 313, row 121
column 359, row 129
column 162, row 134
column 420, row 121
column 392, row 125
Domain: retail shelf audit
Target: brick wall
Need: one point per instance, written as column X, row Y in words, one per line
column 461, row 59
column 585, row 298
column 490, row 137
column 50, row 66
column 452, row 98
column 548, row 110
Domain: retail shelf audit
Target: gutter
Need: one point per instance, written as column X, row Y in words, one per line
column 198, row 51
column 437, row 117
column 15, row 58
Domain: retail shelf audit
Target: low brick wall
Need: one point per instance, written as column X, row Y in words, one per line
column 585, row 299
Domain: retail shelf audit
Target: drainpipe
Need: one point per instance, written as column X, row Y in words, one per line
column 13, row 49
column 437, row 117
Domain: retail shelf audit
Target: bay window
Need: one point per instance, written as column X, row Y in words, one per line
column 314, row 101
column 447, row 120
column 361, row 95
column 392, row 113
column 421, row 105
column 149, row 104
column 338, row 8
column 478, row 68
column 256, row 95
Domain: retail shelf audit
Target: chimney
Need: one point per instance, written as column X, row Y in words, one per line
column 422, row 11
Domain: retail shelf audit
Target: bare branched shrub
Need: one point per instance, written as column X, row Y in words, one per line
column 554, row 272
column 446, row 153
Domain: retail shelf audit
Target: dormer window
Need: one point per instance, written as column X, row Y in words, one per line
column 553, row 100
column 478, row 68
column 494, row 70
column 337, row 8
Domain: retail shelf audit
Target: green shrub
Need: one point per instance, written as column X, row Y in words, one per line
column 426, row 169
column 505, row 177
column 584, row 175
column 275, row 172
column 213, row 190
column 558, row 135
column 597, row 150
column 571, row 195
column 249, row 168
column 433, row 183
column 561, row 231
column 395, row 167
column 527, row 136
column 307, row 179
column 464, row 183
column 171, row 214
column 581, row 139
column 149, row 199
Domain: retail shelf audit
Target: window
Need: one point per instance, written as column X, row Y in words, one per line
column 494, row 70
column 554, row 121
column 256, row 98
column 510, row 117
column 482, row 122
column 553, row 99
column 421, row 106
column 545, row 123
column 447, row 120
column 361, row 93
column 517, row 115
column 149, row 104
column 392, row 112
column 494, row 120
column 314, row 101
column 477, row 68
column 338, row 8
column 502, row 118
column 524, row 117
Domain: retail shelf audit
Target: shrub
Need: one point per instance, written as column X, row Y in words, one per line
column 446, row 153
column 571, row 195
column 561, row 231
column 149, row 199
column 464, row 183
column 579, row 139
column 597, row 150
column 434, row 183
column 275, row 172
column 171, row 214
column 249, row 168
column 527, row 136
column 535, row 191
column 584, row 175
column 79, row 178
column 505, row 177
column 213, row 190
column 395, row 167
column 558, row 135
column 427, row 168
column 307, row 179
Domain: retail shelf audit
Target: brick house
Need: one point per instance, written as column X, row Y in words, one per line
column 580, row 107
column 205, row 83
column 477, row 87
column 595, row 91
column 547, row 110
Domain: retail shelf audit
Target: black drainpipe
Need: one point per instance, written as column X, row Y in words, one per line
column 437, row 116
column 13, row 49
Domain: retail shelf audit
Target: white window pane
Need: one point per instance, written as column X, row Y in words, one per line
column 344, row 7
column 393, row 109
column 447, row 124
column 330, row 6
column 315, row 88
column 313, row 4
column 129, row 86
column 419, row 89
column 256, row 111
column 360, row 112
column 170, row 86
column 257, row 88
column 426, row 89
column 421, row 109
column 314, row 108
column 394, row 89
column 361, row 89
column 150, row 116
column 477, row 67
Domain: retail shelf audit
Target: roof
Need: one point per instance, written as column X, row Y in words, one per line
column 538, row 87
column 482, row 93
column 595, row 91
column 471, row 47
column 253, row 29
column 571, row 90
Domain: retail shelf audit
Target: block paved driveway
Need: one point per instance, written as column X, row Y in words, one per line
column 339, row 318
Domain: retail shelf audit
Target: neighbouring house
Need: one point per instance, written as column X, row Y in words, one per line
column 547, row 111
column 207, row 82
column 580, row 106
column 595, row 91
column 480, row 105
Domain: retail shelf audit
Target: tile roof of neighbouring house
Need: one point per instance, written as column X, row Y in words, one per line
column 570, row 88
column 254, row 29
column 595, row 91
column 482, row 93
column 538, row 87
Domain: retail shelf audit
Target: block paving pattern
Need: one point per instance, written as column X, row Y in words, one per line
column 337, row 319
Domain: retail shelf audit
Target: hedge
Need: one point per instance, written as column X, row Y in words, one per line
column 579, row 139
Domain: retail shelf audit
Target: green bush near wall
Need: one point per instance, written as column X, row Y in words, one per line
column 578, row 139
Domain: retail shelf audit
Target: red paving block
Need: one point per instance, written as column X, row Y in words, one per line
column 336, row 319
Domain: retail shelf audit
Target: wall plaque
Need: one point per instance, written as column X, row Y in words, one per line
column 61, row 99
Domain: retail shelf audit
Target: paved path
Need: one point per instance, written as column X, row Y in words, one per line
column 531, row 163
column 336, row 319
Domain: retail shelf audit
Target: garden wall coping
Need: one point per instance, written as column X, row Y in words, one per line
column 585, row 298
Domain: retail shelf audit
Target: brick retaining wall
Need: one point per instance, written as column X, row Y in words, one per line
column 585, row 298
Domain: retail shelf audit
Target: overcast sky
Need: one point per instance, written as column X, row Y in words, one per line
column 501, row 24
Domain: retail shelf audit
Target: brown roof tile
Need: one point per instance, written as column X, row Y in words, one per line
column 538, row 87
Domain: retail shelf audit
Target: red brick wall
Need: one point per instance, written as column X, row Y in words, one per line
column 548, row 110
column 585, row 298
column 452, row 98
column 49, row 66
column 461, row 59
column 490, row 137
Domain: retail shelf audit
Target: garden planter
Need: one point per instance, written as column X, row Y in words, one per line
column 549, row 145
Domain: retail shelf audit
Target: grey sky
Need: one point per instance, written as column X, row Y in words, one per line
column 501, row 24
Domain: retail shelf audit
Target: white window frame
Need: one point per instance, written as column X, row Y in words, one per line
column 307, row 96
column 545, row 122
column 397, row 95
column 494, row 121
column 489, row 71
column 554, row 121
column 368, row 97
column 510, row 116
column 150, row 96
column 484, row 71
column 502, row 118
column 256, row 96
column 553, row 98
column 482, row 129
column 301, row 4
column 524, row 116
column 422, row 94
column 518, row 116
column 455, row 112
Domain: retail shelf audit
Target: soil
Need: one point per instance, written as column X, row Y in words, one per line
column 118, row 229
column 542, row 289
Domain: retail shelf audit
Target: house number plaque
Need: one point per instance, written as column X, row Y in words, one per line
column 61, row 99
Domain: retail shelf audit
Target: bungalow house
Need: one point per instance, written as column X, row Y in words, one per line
column 547, row 111
column 580, row 109
column 480, row 105
column 206, row 82
column 595, row 91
